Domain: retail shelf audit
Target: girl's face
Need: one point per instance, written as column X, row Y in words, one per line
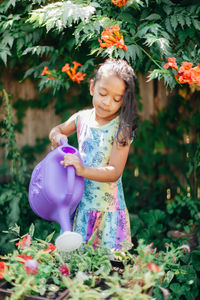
column 107, row 95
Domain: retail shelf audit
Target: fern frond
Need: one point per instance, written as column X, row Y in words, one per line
column 40, row 50
column 55, row 85
column 162, row 42
column 60, row 15
column 148, row 28
column 4, row 53
column 165, row 74
column 134, row 53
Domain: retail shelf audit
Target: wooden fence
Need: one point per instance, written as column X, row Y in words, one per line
column 38, row 122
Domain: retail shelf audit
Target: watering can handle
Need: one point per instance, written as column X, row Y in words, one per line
column 70, row 172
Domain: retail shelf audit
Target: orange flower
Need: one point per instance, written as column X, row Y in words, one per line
column 76, row 65
column 186, row 73
column 71, row 72
column 119, row 3
column 66, row 68
column 185, row 66
column 112, row 37
column 195, row 75
column 171, row 63
column 3, row 267
column 153, row 267
column 25, row 242
column 24, row 257
column 47, row 72
column 51, row 247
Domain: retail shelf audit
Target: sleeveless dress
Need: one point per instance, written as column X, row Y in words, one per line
column 102, row 206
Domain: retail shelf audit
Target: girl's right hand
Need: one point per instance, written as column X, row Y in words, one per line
column 55, row 140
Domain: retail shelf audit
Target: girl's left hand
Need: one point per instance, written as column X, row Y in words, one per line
column 73, row 160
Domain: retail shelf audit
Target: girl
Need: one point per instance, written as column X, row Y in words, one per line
column 104, row 136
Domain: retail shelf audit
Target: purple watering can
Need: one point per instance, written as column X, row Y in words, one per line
column 55, row 192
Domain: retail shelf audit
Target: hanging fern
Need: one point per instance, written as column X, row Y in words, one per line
column 59, row 15
column 168, row 77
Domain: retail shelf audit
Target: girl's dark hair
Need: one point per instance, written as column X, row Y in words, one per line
column 128, row 110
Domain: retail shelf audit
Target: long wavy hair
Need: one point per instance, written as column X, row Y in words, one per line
column 128, row 110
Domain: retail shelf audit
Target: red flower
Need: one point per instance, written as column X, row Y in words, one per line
column 171, row 63
column 153, row 267
column 51, row 247
column 64, row 270
column 71, row 72
column 119, row 3
column 112, row 37
column 25, row 242
column 31, row 266
column 24, row 257
column 3, row 267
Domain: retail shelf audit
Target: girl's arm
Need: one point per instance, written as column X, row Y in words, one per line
column 62, row 131
column 110, row 173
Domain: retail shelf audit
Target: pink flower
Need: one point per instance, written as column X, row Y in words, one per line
column 25, row 242
column 31, row 266
column 165, row 292
column 64, row 270
column 185, row 247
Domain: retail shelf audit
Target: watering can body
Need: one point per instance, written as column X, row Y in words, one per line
column 55, row 191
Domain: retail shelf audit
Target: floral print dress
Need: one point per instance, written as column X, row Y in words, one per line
column 102, row 206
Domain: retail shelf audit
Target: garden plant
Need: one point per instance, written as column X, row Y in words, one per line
column 57, row 45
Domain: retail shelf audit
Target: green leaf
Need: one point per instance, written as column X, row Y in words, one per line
column 160, row 41
column 153, row 28
column 188, row 21
column 196, row 24
column 169, row 26
column 134, row 52
column 177, row 289
column 49, row 237
column 181, row 20
column 169, row 276
column 168, row 9
column 153, row 17
column 31, row 230
column 174, row 21
column 4, row 53
column 7, row 40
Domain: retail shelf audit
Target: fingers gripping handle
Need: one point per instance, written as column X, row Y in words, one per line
column 63, row 141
